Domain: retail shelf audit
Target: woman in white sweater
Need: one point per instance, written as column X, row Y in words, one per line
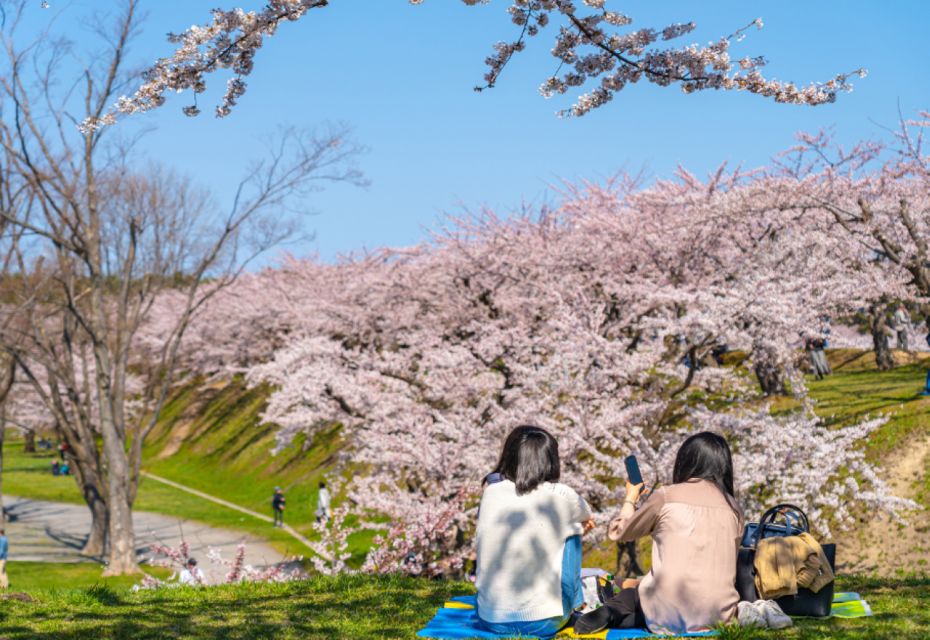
column 529, row 540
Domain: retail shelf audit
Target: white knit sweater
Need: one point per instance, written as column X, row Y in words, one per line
column 520, row 543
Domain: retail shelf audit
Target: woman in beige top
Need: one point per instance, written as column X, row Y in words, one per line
column 695, row 525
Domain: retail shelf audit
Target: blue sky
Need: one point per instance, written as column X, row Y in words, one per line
column 402, row 77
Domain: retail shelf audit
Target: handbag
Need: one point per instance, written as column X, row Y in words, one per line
column 805, row 602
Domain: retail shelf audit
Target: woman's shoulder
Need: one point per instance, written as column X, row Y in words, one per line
column 559, row 489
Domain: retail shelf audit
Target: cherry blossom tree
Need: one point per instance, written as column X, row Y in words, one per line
column 874, row 197
column 594, row 48
column 578, row 319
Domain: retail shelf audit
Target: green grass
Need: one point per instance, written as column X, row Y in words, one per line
column 39, row 577
column 364, row 607
column 29, row 476
column 857, row 391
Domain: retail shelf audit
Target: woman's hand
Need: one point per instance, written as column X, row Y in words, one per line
column 629, row 583
column 634, row 492
column 588, row 525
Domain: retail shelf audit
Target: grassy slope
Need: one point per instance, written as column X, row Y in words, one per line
column 857, row 391
column 209, row 438
column 361, row 607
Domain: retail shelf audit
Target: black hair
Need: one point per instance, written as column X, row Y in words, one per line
column 191, row 562
column 529, row 458
column 707, row 456
column 322, row 485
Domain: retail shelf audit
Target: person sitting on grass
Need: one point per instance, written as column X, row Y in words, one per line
column 528, row 540
column 64, row 469
column 695, row 526
column 190, row 574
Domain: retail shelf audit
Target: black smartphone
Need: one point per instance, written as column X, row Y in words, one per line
column 632, row 470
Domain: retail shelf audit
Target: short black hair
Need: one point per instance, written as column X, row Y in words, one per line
column 529, row 458
column 322, row 485
column 706, row 456
column 191, row 562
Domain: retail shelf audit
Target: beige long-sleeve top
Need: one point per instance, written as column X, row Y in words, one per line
column 696, row 530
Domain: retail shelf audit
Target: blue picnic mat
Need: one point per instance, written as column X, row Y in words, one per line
column 457, row 620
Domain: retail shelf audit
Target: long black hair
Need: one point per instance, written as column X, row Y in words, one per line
column 707, row 456
column 529, row 458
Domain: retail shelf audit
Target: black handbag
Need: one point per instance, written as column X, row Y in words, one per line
column 805, row 602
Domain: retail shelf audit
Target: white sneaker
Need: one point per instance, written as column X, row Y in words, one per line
column 775, row 618
column 749, row 614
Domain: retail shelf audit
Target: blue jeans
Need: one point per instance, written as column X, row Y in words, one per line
column 572, row 597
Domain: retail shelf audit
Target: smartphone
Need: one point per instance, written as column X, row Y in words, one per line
column 632, row 470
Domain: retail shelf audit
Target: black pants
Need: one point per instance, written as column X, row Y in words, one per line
column 625, row 610
column 278, row 517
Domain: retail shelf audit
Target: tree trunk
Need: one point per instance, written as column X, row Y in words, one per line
column 880, row 331
column 627, row 561
column 30, row 442
column 771, row 379
column 88, row 483
column 95, row 546
column 122, row 556
column 2, row 438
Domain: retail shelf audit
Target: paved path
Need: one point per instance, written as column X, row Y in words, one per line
column 206, row 496
column 54, row 532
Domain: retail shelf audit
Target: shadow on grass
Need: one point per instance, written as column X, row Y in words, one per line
column 351, row 607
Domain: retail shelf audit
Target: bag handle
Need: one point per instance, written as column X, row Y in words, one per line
column 789, row 512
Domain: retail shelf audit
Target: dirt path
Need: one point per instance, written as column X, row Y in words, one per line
column 206, row 496
column 884, row 547
column 54, row 532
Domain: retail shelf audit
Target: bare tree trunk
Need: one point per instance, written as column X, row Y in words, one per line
column 88, row 482
column 29, row 446
column 878, row 324
column 771, row 379
column 122, row 556
column 2, row 438
column 96, row 544
column 627, row 561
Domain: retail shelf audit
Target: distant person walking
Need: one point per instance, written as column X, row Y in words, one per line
column 323, row 502
column 814, row 347
column 277, row 505
column 4, row 550
column 902, row 326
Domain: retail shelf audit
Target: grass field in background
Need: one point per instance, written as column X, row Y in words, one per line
column 40, row 577
column 362, row 608
column 857, row 390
